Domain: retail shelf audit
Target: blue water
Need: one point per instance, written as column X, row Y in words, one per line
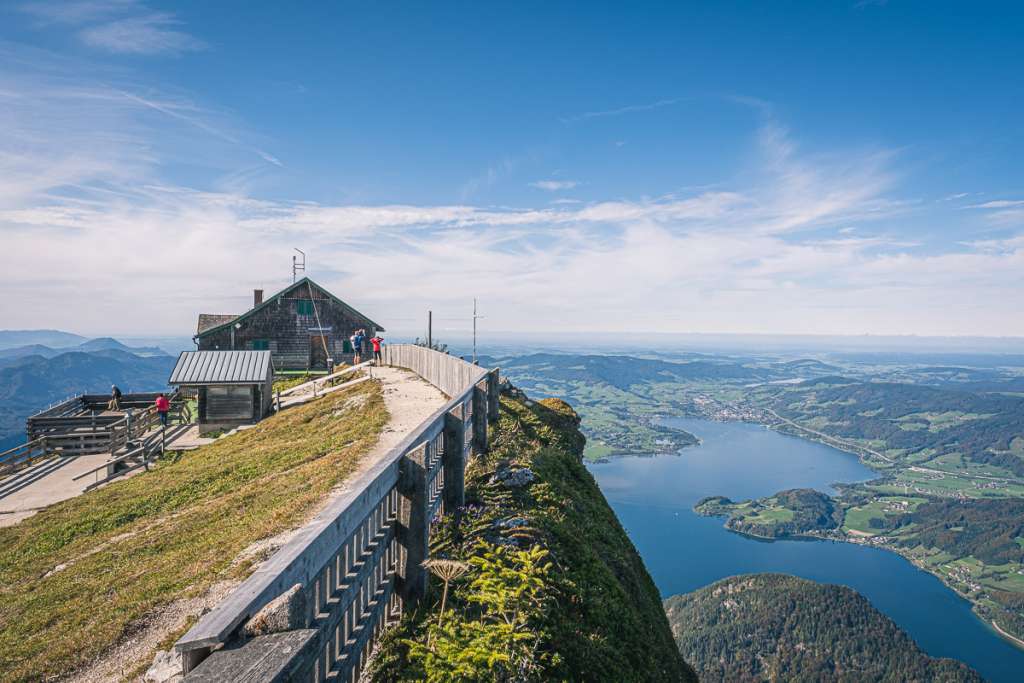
column 654, row 497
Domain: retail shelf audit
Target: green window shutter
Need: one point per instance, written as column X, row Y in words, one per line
column 304, row 307
column 346, row 346
column 260, row 345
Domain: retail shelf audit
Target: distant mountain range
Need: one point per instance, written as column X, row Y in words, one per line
column 773, row 627
column 34, row 374
column 53, row 338
column 11, row 356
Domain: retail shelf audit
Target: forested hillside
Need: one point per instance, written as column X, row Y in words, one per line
column 911, row 423
column 773, row 627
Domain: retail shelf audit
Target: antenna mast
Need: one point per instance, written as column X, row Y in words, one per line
column 475, row 318
column 297, row 265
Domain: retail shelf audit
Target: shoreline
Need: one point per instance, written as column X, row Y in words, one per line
column 1014, row 640
column 1008, row 636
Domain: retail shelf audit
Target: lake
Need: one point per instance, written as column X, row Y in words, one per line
column 654, row 497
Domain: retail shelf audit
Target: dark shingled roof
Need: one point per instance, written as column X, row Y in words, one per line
column 304, row 282
column 221, row 367
column 207, row 321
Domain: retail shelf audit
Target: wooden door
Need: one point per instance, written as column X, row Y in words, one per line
column 317, row 352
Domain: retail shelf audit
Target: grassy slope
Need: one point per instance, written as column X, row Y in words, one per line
column 139, row 544
column 608, row 622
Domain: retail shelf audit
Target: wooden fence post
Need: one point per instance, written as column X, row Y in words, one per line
column 493, row 395
column 454, row 463
column 413, row 525
column 479, row 419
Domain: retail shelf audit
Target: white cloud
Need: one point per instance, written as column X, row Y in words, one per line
column 96, row 239
column 554, row 185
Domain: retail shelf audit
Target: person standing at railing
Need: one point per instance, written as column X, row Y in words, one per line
column 376, row 342
column 115, row 398
column 162, row 407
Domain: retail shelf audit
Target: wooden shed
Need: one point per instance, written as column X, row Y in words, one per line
column 233, row 387
column 306, row 327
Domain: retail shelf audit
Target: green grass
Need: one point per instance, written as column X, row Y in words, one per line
column 293, row 380
column 137, row 545
column 770, row 515
column 858, row 518
column 596, row 450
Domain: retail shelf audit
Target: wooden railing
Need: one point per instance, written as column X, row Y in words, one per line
column 85, row 435
column 22, row 456
column 138, row 451
column 360, row 561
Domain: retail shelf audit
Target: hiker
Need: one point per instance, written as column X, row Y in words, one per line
column 377, row 341
column 162, row 406
column 115, row 398
column 356, row 344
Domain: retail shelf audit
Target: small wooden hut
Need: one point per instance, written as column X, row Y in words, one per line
column 306, row 327
column 233, row 387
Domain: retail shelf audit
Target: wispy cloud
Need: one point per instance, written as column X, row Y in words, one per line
column 629, row 109
column 77, row 11
column 119, row 26
column 488, row 178
column 65, row 131
column 151, row 34
column 554, row 185
column 998, row 204
column 1002, row 212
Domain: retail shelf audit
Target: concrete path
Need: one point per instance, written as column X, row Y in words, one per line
column 410, row 400
column 51, row 480
column 48, row 481
column 189, row 440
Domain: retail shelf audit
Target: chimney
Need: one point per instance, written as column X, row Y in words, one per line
column 257, row 297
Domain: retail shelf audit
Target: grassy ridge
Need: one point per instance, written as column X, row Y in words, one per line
column 126, row 550
column 603, row 618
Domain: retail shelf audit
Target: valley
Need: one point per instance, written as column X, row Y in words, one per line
column 945, row 444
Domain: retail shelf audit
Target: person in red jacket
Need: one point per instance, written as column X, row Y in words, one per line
column 162, row 406
column 377, row 341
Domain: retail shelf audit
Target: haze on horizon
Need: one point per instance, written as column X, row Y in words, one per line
column 838, row 168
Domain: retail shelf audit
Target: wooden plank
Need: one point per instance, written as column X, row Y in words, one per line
column 320, row 380
column 479, row 418
column 413, row 525
column 494, row 395
column 271, row 658
column 454, row 463
column 349, row 663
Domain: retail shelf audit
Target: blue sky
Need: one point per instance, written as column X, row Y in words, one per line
column 820, row 167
